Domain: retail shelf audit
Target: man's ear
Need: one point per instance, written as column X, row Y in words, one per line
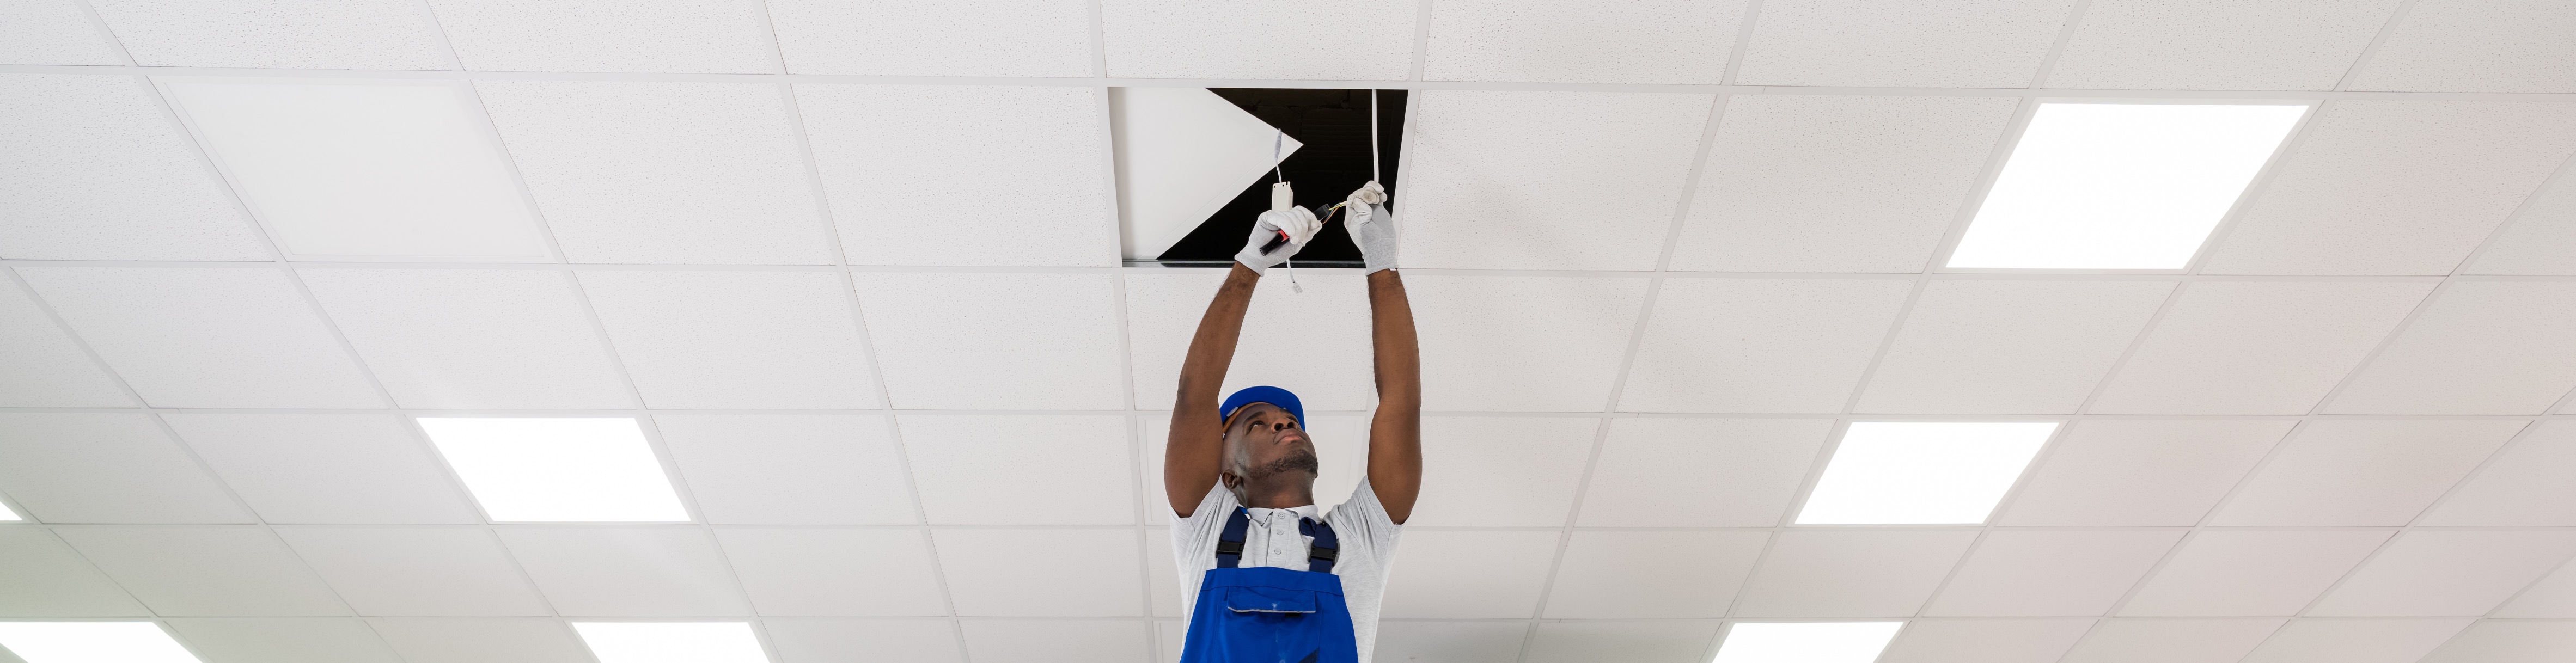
column 1229, row 479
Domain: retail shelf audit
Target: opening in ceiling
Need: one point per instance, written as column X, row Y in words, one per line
column 1193, row 176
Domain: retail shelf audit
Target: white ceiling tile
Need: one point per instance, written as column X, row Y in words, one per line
column 1283, row 344
column 1516, row 343
column 1852, row 572
column 2395, row 187
column 50, row 32
column 2009, row 347
column 1760, row 345
column 1341, row 453
column 2172, row 640
column 1169, row 634
column 1162, row 575
column 2477, row 46
column 1477, row 574
column 989, row 470
column 995, row 341
column 956, row 38
column 2551, row 596
column 1979, row 43
column 1451, row 642
column 636, row 172
column 993, row 155
column 1651, row 574
column 1630, row 642
column 94, row 170
column 472, row 339
column 275, row 640
column 671, row 571
column 735, row 339
column 2483, row 347
column 835, row 572
column 2355, row 641
column 1593, row 41
column 1985, row 640
column 2040, row 573
column 326, row 468
column 206, row 571
column 2234, row 573
column 1331, row 39
column 2242, row 347
column 106, row 468
column 1546, row 180
column 1084, row 572
column 2525, row 486
column 605, row 35
column 284, row 34
column 1502, row 471
column 2433, row 573
column 2217, row 45
column 1798, row 183
column 45, row 578
column 418, row 571
column 1057, row 641
column 44, row 366
column 864, row 641
column 207, row 337
column 2140, row 473
column 482, row 640
column 2540, row 239
column 2509, row 642
column 790, row 469
column 2352, row 473
column 1700, row 472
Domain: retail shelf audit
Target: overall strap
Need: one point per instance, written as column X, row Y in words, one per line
column 1229, row 545
column 1321, row 553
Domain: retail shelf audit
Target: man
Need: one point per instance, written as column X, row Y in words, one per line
column 1266, row 576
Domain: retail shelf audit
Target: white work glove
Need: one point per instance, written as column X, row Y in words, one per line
column 1372, row 227
column 1294, row 221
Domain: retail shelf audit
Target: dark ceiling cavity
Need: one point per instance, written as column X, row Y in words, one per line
column 1334, row 126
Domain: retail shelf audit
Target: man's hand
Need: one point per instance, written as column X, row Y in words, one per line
column 1299, row 223
column 1372, row 227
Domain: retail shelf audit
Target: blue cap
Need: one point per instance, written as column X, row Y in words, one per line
column 1263, row 394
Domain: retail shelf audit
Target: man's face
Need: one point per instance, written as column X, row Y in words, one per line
column 1265, row 441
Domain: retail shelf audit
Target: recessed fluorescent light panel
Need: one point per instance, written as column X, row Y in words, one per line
column 6, row 514
column 557, row 470
column 358, row 169
column 671, row 642
column 1922, row 473
column 1821, row 642
column 2121, row 186
column 91, row 642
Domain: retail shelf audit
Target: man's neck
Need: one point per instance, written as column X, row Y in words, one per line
column 1279, row 495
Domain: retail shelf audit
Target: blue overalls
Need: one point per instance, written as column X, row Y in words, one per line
column 1269, row 614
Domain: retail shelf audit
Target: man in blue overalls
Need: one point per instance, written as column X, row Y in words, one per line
column 1267, row 577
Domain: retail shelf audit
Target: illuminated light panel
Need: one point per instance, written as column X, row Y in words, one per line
column 2121, row 186
column 347, row 168
column 8, row 515
column 1922, row 473
column 671, row 642
column 92, row 642
column 558, row 470
column 1819, row 642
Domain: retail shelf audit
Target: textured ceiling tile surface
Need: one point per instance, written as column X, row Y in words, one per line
column 45, row 578
column 1481, row 574
column 2133, row 473
column 1972, row 43
column 835, row 572
column 207, row 571
column 288, row 34
column 472, row 339
column 1985, row 640
column 91, row 169
column 995, row 341
column 1588, row 41
column 50, row 32
column 606, row 35
column 2541, row 239
column 2481, row 348
column 2551, row 596
column 790, row 469
column 1315, row 343
column 238, row 640
column 734, row 339
column 977, row 162
column 2217, row 44
column 207, row 337
column 1651, row 574
column 2526, row 485
column 2355, row 473
column 418, row 572
column 1056, row 641
column 637, row 172
column 2172, row 640
column 950, row 38
column 1852, row 573
column 1759, row 345
column 2009, row 347
column 2477, row 46
column 667, row 571
column 1085, row 572
column 326, row 468
column 1700, row 472
column 987, row 470
column 1546, row 180
column 868, row 641
column 1836, row 183
column 1450, row 642
column 2230, row 347
column 2396, row 187
column 482, row 640
column 1630, row 642
column 1327, row 39
column 2447, row 573
column 2250, row 573
column 2355, row 641
column 1522, row 343
column 2509, row 642
column 105, row 468
column 1501, row 471
column 2025, row 573
column 45, row 366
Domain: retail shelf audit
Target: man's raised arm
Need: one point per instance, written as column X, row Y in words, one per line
column 1193, row 451
column 1395, row 434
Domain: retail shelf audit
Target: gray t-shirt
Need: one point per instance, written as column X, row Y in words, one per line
column 1367, row 549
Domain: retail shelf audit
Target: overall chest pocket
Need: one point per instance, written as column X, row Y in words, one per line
column 1243, row 598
